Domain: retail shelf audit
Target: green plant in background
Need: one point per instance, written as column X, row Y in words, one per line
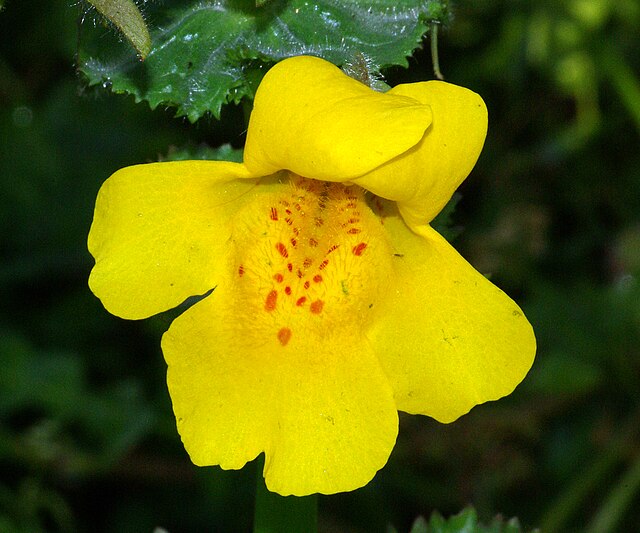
column 87, row 441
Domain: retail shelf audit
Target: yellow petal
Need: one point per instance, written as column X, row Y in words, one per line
column 423, row 179
column 449, row 338
column 159, row 231
column 320, row 407
column 311, row 118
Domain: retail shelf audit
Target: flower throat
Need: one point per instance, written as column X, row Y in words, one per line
column 310, row 260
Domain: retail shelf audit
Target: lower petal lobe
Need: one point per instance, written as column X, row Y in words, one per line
column 318, row 405
column 449, row 339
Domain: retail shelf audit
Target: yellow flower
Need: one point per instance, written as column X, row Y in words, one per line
column 335, row 302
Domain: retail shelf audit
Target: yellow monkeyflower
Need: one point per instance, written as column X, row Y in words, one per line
column 335, row 304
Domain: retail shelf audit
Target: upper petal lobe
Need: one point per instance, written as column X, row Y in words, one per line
column 311, row 118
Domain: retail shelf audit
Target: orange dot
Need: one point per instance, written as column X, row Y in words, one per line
column 284, row 335
column 316, row 307
column 300, row 302
column 241, row 271
column 282, row 250
column 287, row 290
column 270, row 302
column 359, row 248
column 317, row 278
column 278, row 277
column 274, row 214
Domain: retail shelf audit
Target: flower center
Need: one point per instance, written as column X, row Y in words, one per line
column 309, row 259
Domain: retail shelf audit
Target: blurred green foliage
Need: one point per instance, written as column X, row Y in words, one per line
column 551, row 213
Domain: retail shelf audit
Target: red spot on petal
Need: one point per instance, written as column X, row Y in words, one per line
column 300, row 274
column 358, row 249
column 287, row 290
column 316, row 307
column 332, row 249
column 307, row 284
column 317, row 278
column 288, row 211
column 274, row 214
column 300, row 301
column 278, row 277
column 319, row 221
column 294, row 242
column 241, row 271
column 313, row 242
column 290, row 267
column 288, row 221
column 284, row 335
column 270, row 302
column 307, row 262
column 282, row 249
column 324, row 264
column 354, row 231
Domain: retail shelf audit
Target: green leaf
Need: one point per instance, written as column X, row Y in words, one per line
column 206, row 54
column 420, row 525
column 126, row 16
column 223, row 153
column 466, row 521
column 443, row 223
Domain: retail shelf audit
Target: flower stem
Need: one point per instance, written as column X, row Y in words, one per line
column 435, row 59
column 275, row 513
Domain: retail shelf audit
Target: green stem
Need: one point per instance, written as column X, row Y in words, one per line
column 568, row 503
column 619, row 501
column 275, row 513
column 435, row 59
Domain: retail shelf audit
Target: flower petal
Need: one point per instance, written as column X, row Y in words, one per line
column 320, row 408
column 449, row 338
column 423, row 179
column 159, row 231
column 311, row 118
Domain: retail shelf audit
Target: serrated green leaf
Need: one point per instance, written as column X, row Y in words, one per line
column 126, row 16
column 206, row 53
column 466, row 521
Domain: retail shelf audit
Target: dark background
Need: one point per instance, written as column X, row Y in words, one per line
column 551, row 213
